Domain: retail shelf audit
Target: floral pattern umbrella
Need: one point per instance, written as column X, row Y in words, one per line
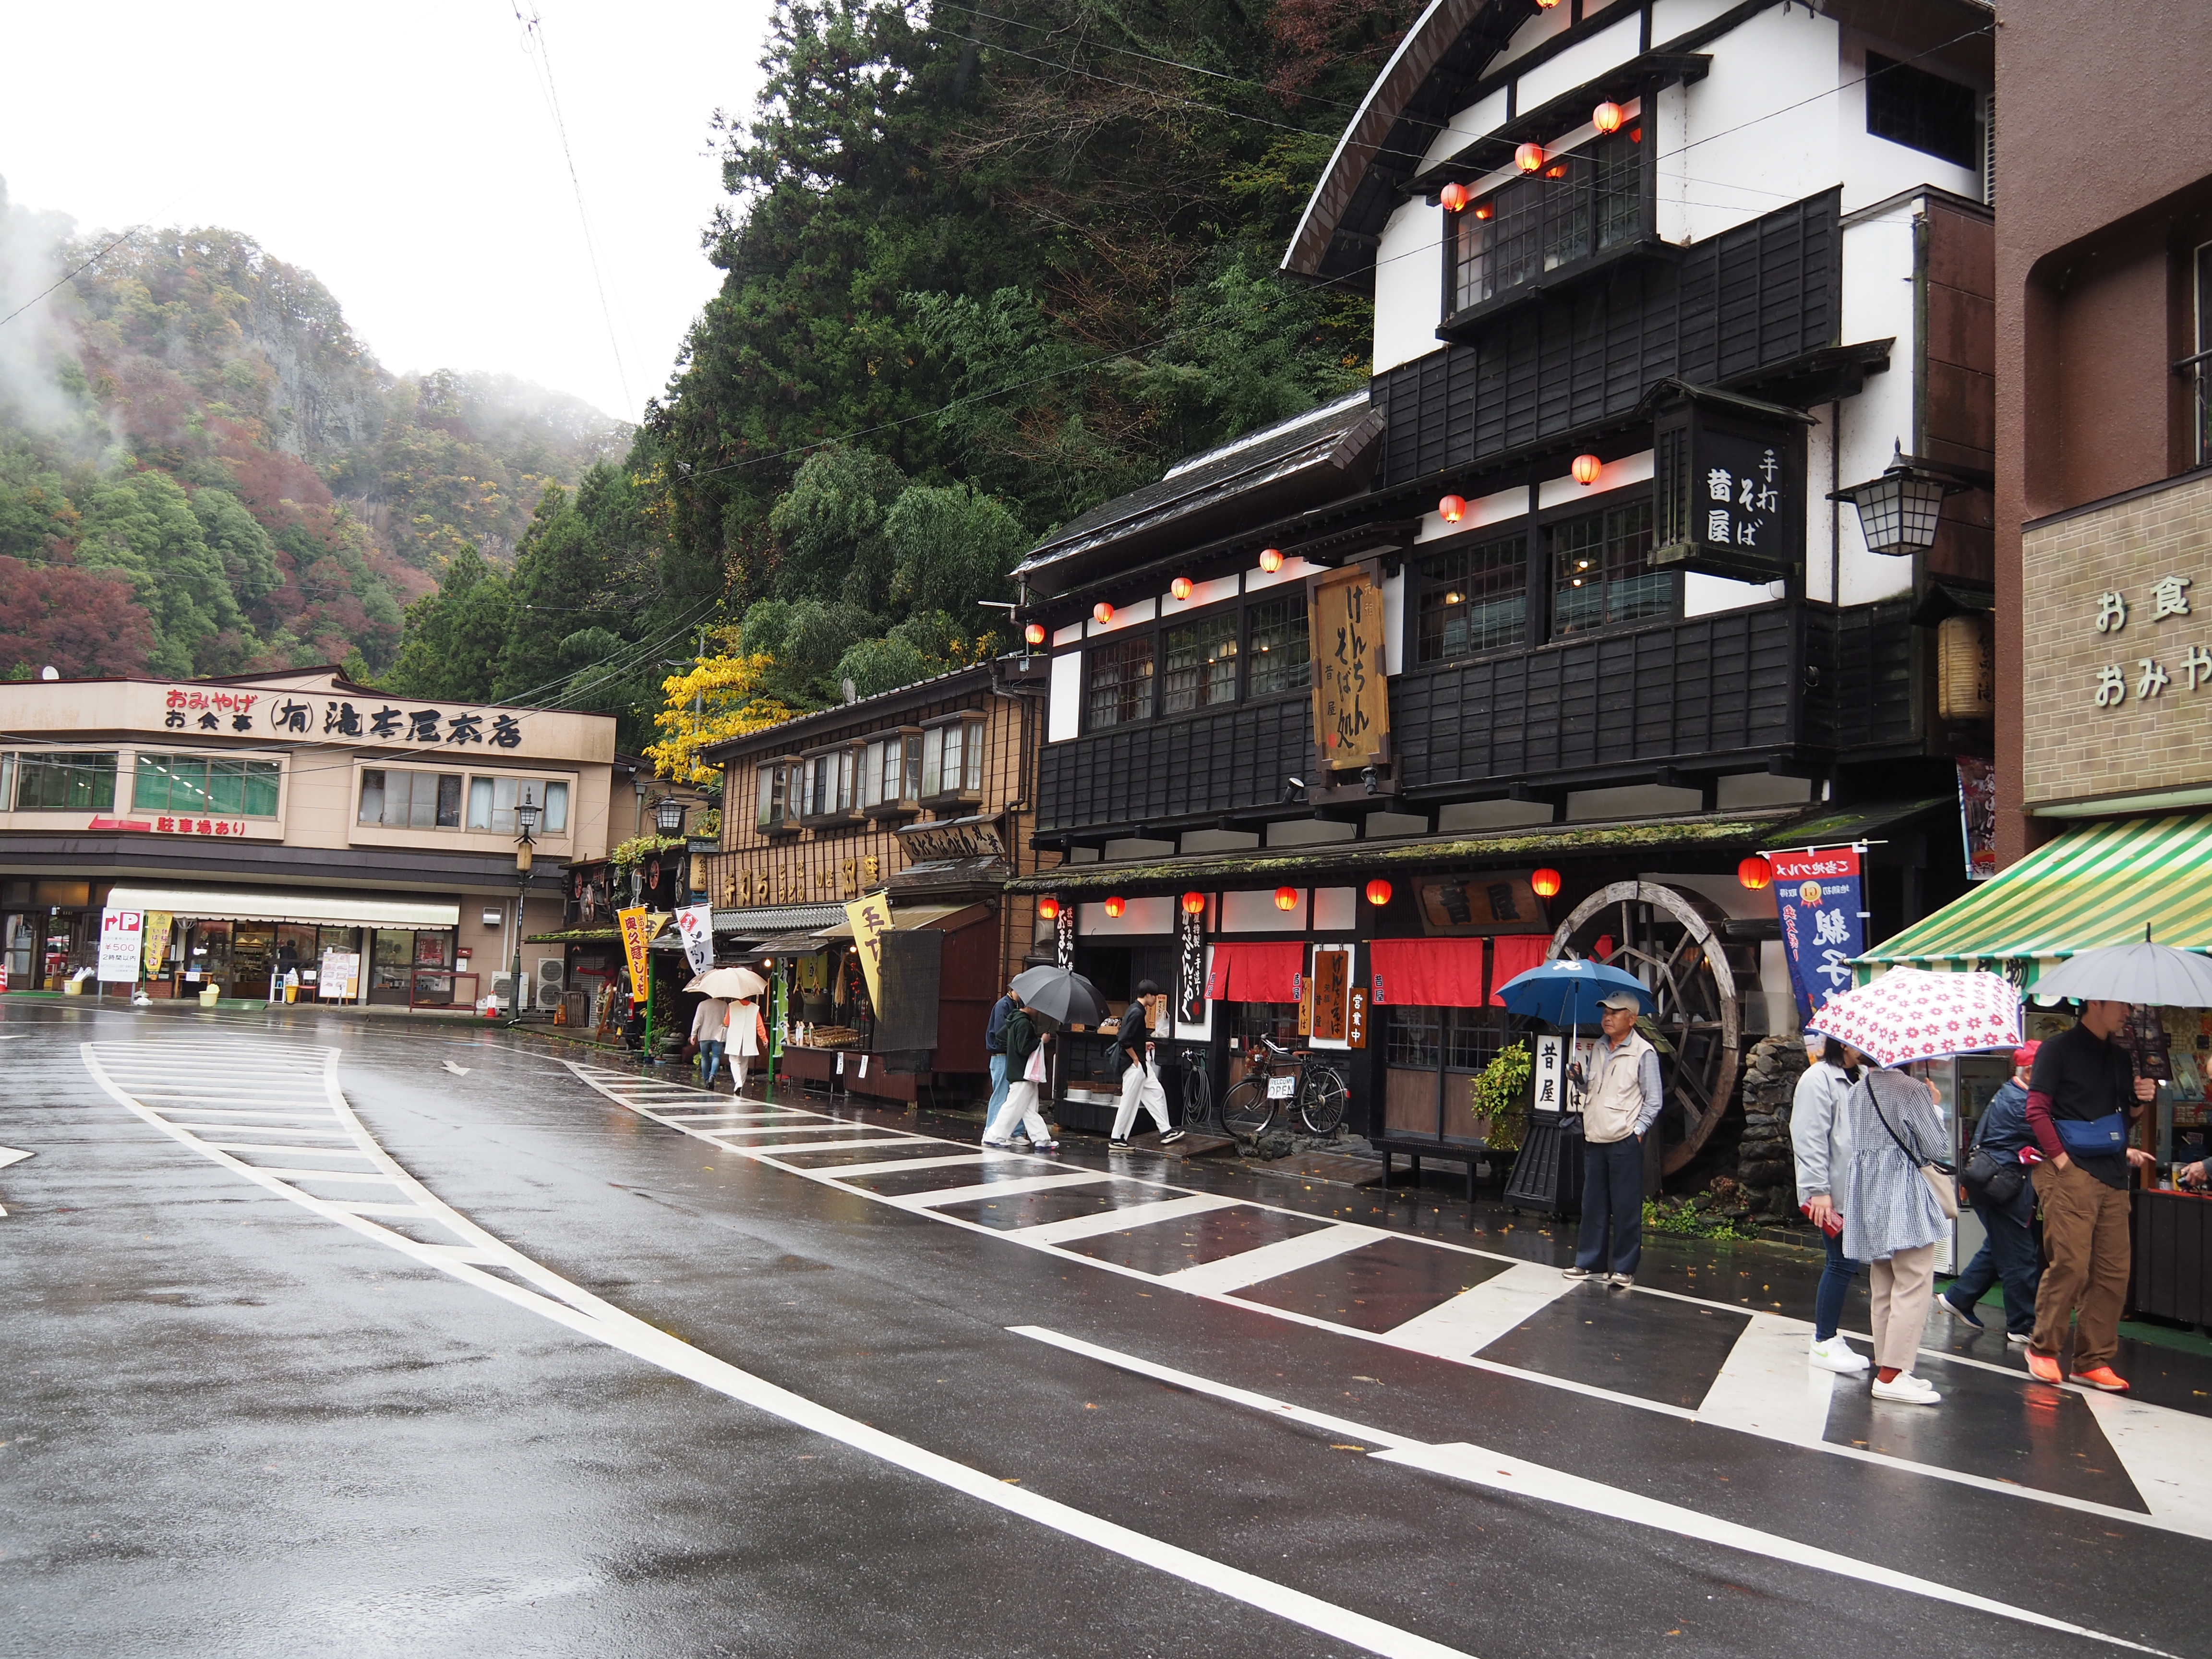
column 1909, row 1014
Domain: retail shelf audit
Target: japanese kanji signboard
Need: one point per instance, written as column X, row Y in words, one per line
column 305, row 714
column 871, row 919
column 1350, row 684
column 1728, row 487
column 1816, row 892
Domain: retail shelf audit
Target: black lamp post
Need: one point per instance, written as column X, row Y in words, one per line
column 525, row 820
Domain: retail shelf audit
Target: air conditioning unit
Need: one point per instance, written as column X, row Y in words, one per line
column 503, row 989
column 552, row 979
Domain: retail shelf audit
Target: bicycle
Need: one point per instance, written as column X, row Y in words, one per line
column 1275, row 1076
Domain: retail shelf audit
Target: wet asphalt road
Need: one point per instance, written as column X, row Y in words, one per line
column 234, row 1428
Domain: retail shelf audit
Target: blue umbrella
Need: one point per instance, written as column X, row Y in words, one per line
column 1567, row 993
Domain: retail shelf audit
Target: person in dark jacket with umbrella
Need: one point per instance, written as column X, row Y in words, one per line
column 2013, row 1247
column 1023, row 1044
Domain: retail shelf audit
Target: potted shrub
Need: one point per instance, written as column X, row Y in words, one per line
column 1498, row 1097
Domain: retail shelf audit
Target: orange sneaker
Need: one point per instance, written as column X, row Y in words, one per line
column 2043, row 1368
column 2104, row 1378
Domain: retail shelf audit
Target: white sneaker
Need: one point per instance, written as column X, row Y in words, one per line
column 1906, row 1390
column 1838, row 1355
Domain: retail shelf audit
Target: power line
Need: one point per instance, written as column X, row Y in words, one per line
column 71, row 276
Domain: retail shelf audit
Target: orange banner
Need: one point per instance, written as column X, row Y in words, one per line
column 638, row 926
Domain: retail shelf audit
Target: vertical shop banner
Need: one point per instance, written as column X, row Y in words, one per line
column 871, row 920
column 1978, row 814
column 1063, row 940
column 638, row 926
column 1332, row 992
column 695, row 924
column 157, row 940
column 122, row 944
column 1350, row 686
column 1547, row 1076
column 1190, row 967
column 1817, row 891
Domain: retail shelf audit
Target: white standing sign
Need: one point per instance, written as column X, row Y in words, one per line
column 122, row 942
column 1550, row 1075
column 339, row 978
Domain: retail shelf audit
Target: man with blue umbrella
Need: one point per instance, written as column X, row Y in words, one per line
column 1621, row 1104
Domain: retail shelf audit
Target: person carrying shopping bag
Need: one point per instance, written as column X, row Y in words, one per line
column 1025, row 1063
column 1893, row 1219
column 1140, row 1081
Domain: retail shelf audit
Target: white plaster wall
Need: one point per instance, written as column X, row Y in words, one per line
column 1071, row 635
column 1409, row 284
column 1256, row 913
column 1744, row 792
column 1138, row 847
column 1492, row 814
column 1875, row 168
column 1202, row 594
column 1704, row 595
column 1394, row 623
column 1063, row 708
column 1335, row 909
column 1671, row 18
column 1310, row 832
column 1220, row 840
column 1820, row 512
column 1463, row 129
column 1483, row 510
column 1146, row 916
column 1531, row 34
column 1293, row 570
column 1127, row 616
column 1564, row 491
column 1585, row 60
column 1877, row 304
column 1758, row 132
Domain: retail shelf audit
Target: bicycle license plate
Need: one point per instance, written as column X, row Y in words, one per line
column 1281, row 1088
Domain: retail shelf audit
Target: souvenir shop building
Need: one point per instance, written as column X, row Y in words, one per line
column 921, row 798
column 1605, row 583
column 260, row 822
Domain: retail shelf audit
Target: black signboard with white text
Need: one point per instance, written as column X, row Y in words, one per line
column 1728, row 486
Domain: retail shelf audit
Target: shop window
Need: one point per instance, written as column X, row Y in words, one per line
column 1118, row 682
column 1474, row 600
column 1201, row 664
column 1416, row 1037
column 778, row 790
column 1282, row 652
column 952, row 761
column 555, row 821
column 893, row 766
column 492, row 802
column 1922, row 111
column 198, row 783
column 1586, row 202
column 829, row 786
column 7, row 782
column 411, row 800
column 65, row 783
column 1602, row 574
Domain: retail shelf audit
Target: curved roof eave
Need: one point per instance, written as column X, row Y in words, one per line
column 1381, row 114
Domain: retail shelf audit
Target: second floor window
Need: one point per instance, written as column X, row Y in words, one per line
column 1924, row 112
column 1582, row 202
column 1118, row 682
column 1282, row 647
column 64, row 783
column 492, row 802
column 1472, row 600
column 413, row 800
column 199, row 783
column 1201, row 665
column 1602, row 574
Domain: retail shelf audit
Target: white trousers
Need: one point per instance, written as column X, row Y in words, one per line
column 1140, row 1087
column 1020, row 1112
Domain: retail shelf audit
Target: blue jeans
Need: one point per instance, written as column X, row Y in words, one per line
column 1835, row 1280
column 1613, row 1206
column 998, row 1090
column 2010, row 1253
column 710, row 1063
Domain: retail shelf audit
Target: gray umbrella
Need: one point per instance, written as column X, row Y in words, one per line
column 2156, row 975
column 1060, row 996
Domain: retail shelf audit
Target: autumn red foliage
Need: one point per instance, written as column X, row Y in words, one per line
column 81, row 622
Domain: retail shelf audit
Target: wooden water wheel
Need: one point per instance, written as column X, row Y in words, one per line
column 1661, row 936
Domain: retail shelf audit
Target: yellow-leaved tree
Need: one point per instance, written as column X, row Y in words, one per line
column 723, row 697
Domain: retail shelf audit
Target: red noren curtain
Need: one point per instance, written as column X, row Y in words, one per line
column 1256, row 972
column 1426, row 973
column 1516, row 954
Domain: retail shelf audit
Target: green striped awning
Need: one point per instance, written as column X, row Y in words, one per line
column 2098, row 885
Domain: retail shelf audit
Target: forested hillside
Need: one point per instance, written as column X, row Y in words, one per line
column 202, row 471
column 983, row 271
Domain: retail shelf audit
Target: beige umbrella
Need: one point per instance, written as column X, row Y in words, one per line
column 739, row 983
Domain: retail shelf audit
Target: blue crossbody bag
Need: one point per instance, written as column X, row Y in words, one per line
column 2099, row 1137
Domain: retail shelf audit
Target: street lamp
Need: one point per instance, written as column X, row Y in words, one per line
column 1898, row 511
column 668, row 816
column 525, row 820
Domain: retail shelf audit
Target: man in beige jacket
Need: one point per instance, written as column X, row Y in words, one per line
column 1622, row 1104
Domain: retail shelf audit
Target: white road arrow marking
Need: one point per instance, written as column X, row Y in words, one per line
column 458, row 1071
column 10, row 1155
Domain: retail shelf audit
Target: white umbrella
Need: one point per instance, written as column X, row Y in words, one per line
column 2140, row 973
column 739, row 983
column 1910, row 1013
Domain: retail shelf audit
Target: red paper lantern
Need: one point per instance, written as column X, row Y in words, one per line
column 1585, row 469
column 1607, row 117
column 1545, row 882
column 1116, row 904
column 1378, row 892
column 1529, row 158
column 1181, row 587
column 1485, row 211
column 1755, row 872
column 1034, row 633
column 1193, row 904
column 1452, row 195
column 1286, row 898
column 1102, row 613
column 1452, row 508
column 1271, row 559
column 1049, row 908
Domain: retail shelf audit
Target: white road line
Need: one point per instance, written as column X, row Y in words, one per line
column 1480, row 1315
column 1767, row 1387
column 1035, row 1183
column 847, row 1171
column 9, row 1155
column 290, row 1151
column 813, row 1129
column 2170, row 1462
column 267, row 1129
column 768, row 1154
column 565, row 1303
column 1113, row 1221
column 1272, row 1261
column 1501, row 1471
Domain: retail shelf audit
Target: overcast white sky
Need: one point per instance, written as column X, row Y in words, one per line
column 405, row 154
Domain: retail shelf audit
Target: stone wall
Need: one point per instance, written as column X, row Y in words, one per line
column 1766, row 1168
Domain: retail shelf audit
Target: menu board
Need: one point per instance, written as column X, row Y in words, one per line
column 340, row 977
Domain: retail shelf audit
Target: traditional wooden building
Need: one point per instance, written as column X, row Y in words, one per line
column 1528, row 645
column 923, row 797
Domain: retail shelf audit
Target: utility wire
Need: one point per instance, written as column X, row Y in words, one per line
column 71, row 276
